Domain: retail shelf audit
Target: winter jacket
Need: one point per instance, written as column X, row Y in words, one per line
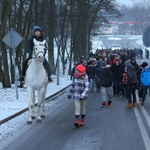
column 117, row 71
column 106, row 77
column 131, row 74
column 98, row 70
column 79, row 89
column 145, row 76
column 91, row 71
column 31, row 44
column 72, row 73
column 135, row 66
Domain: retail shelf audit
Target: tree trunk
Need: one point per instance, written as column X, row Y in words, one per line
column 51, row 34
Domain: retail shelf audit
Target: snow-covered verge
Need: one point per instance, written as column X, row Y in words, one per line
column 10, row 105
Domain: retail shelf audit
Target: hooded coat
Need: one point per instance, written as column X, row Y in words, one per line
column 106, row 76
column 131, row 74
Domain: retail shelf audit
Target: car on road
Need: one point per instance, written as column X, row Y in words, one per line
column 116, row 47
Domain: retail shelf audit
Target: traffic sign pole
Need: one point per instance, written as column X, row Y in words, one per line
column 13, row 48
column 12, row 39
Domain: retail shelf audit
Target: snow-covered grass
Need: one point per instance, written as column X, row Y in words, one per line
column 10, row 105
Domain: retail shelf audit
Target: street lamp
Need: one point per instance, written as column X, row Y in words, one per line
column 102, row 46
column 58, row 22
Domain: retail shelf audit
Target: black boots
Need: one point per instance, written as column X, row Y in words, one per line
column 21, row 78
column 25, row 66
column 50, row 79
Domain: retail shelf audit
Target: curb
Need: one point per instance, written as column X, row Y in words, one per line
column 26, row 109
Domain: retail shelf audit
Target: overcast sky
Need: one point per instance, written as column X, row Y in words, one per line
column 128, row 2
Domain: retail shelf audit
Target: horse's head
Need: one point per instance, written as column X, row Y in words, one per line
column 39, row 50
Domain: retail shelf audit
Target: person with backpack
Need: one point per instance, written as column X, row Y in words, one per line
column 125, row 84
column 106, row 81
column 145, row 80
column 132, row 82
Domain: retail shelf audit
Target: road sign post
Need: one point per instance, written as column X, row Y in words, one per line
column 12, row 39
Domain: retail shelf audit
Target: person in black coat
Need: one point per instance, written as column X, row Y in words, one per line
column 97, row 75
column 117, row 73
column 91, row 73
column 106, row 79
column 133, row 62
column 37, row 34
column 73, row 70
column 132, row 82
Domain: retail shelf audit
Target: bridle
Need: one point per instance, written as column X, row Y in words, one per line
column 36, row 54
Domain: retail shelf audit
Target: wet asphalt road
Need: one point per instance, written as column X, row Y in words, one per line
column 110, row 128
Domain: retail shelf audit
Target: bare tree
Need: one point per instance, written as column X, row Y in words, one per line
column 4, row 68
column 77, row 20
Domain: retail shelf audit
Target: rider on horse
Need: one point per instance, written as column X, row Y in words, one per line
column 37, row 34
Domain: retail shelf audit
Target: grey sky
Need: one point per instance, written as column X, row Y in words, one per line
column 129, row 2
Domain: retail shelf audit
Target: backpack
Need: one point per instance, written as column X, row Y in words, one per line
column 145, row 77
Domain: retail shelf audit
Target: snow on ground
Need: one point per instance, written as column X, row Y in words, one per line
column 17, row 126
column 10, row 105
column 97, row 44
column 114, row 38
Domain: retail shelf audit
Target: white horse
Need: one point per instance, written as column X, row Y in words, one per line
column 36, row 80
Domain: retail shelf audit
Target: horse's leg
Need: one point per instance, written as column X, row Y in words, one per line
column 30, row 105
column 43, row 104
column 39, row 119
column 33, row 109
column 43, row 108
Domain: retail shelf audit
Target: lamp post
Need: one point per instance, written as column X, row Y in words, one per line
column 0, row 52
column 102, row 46
column 58, row 22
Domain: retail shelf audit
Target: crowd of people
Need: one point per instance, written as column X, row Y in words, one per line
column 113, row 73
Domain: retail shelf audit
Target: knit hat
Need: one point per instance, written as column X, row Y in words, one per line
column 133, row 59
column 103, row 64
column 81, row 68
column 127, row 62
column 144, row 64
column 94, row 59
column 36, row 28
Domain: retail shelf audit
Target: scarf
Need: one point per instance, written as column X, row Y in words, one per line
column 79, row 74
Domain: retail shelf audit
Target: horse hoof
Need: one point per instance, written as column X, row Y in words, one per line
column 33, row 117
column 42, row 116
column 29, row 122
column 39, row 121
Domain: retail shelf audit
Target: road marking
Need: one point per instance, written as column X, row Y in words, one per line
column 144, row 134
column 145, row 115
